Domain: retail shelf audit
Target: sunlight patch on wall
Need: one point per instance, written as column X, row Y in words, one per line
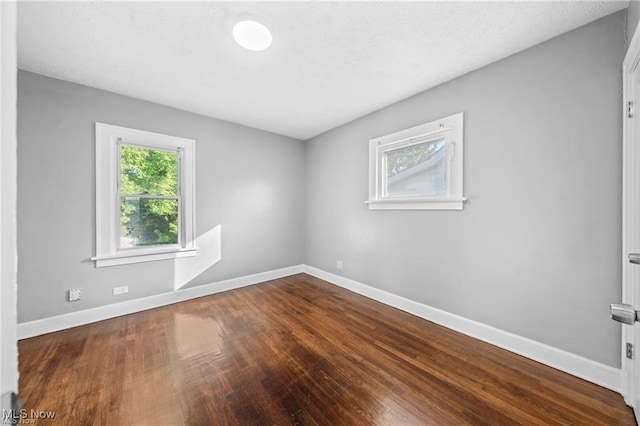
column 209, row 253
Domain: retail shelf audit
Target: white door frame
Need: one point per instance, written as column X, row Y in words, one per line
column 630, row 208
column 8, row 188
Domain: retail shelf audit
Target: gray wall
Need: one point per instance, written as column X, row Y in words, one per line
column 248, row 182
column 633, row 15
column 536, row 252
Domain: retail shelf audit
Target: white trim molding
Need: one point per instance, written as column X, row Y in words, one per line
column 8, row 199
column 446, row 137
column 584, row 368
column 630, row 211
column 592, row 371
column 87, row 316
column 109, row 139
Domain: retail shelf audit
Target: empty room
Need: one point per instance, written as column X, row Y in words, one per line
column 320, row 213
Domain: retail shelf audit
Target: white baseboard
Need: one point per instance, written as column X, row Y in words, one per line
column 595, row 372
column 592, row 371
column 74, row 319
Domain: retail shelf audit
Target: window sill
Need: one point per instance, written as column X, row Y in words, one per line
column 128, row 258
column 431, row 204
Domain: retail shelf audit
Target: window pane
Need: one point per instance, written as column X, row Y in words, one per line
column 148, row 222
column 417, row 170
column 148, row 171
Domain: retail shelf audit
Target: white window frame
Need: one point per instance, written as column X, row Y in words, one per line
column 109, row 138
column 451, row 130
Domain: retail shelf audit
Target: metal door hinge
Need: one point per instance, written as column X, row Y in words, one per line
column 629, row 109
column 629, row 351
column 11, row 408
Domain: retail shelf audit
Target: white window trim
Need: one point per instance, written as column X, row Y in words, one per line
column 449, row 127
column 107, row 205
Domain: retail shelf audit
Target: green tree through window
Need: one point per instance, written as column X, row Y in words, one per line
column 405, row 158
column 149, row 197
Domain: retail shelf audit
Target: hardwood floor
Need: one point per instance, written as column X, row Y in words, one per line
column 295, row 351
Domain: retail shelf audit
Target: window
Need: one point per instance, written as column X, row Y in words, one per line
column 144, row 196
column 418, row 168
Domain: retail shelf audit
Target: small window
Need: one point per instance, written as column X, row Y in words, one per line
column 418, row 168
column 144, row 196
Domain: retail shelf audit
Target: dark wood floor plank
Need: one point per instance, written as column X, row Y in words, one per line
column 295, row 351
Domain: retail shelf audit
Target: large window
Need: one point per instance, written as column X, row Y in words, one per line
column 418, row 168
column 144, row 196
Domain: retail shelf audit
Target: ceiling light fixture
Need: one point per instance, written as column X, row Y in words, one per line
column 252, row 35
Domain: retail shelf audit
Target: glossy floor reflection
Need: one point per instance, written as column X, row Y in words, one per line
column 294, row 351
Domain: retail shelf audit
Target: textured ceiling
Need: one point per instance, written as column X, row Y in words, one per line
column 330, row 62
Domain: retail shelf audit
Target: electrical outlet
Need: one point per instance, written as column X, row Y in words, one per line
column 120, row 290
column 74, row 294
column 339, row 264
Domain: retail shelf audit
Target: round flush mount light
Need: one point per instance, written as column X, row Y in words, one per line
column 252, row 35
